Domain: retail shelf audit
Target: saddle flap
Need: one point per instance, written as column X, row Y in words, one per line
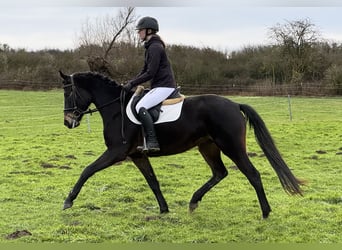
column 161, row 113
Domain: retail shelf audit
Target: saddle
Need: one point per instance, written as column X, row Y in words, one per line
column 155, row 111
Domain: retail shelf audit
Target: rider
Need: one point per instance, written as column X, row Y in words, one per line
column 157, row 69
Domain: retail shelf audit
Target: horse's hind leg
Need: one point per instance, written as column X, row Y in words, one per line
column 239, row 156
column 211, row 154
column 253, row 176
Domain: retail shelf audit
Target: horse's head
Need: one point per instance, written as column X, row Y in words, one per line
column 76, row 100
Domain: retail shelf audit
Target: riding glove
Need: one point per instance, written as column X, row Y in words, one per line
column 127, row 87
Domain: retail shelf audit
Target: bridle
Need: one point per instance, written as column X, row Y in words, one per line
column 77, row 112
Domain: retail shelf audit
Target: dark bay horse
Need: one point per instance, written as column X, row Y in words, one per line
column 212, row 123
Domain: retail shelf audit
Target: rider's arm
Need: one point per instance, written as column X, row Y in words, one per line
column 151, row 66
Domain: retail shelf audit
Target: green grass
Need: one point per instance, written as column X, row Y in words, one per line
column 41, row 161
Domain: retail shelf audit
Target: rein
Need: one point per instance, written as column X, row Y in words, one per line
column 91, row 111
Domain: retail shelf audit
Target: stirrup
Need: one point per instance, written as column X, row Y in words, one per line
column 145, row 149
column 142, row 149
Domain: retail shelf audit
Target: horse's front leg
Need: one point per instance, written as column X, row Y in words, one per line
column 107, row 159
column 144, row 165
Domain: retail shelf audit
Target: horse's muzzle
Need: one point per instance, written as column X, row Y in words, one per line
column 70, row 121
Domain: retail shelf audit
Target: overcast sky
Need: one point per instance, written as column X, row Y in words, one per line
column 219, row 24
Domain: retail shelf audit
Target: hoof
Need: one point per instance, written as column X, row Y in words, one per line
column 192, row 207
column 164, row 211
column 266, row 212
column 67, row 204
column 265, row 215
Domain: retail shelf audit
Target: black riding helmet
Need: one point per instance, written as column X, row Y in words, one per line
column 148, row 23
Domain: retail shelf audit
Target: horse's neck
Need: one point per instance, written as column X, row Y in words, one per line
column 107, row 100
column 102, row 97
column 102, row 94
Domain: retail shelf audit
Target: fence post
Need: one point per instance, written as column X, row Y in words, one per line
column 290, row 110
column 88, row 123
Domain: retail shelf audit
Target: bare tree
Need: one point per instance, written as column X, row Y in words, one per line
column 101, row 35
column 297, row 39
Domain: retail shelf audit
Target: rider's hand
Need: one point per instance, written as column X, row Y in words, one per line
column 127, row 87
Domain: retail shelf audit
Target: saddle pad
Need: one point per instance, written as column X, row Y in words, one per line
column 169, row 113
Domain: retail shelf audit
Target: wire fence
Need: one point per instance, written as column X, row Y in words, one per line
column 313, row 89
column 262, row 89
column 28, row 85
column 26, row 119
column 51, row 115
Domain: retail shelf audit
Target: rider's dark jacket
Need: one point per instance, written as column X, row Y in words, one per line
column 157, row 68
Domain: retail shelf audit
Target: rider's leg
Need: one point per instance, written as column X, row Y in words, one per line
column 150, row 134
column 152, row 98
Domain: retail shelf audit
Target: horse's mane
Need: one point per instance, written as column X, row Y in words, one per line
column 96, row 76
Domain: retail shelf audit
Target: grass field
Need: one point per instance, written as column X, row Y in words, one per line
column 41, row 160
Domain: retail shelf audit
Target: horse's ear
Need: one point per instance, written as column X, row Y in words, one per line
column 64, row 76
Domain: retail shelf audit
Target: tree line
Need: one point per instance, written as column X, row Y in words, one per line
column 299, row 59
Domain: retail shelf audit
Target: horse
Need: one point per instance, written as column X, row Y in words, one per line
column 212, row 123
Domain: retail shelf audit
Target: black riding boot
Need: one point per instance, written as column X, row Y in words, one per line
column 150, row 134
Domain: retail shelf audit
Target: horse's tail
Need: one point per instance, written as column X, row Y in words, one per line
column 289, row 182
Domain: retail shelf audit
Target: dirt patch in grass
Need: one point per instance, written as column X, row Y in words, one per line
column 252, row 154
column 71, row 157
column 50, row 165
column 18, row 234
column 174, row 165
column 91, row 207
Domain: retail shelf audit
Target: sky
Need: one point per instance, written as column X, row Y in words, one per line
column 219, row 24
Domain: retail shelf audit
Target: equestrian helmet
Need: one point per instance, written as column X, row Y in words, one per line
column 148, row 23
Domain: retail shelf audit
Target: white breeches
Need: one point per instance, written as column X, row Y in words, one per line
column 154, row 97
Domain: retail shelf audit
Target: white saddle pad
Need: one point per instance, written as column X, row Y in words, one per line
column 169, row 113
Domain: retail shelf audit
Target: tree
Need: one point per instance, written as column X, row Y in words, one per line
column 4, row 47
column 101, row 35
column 297, row 40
